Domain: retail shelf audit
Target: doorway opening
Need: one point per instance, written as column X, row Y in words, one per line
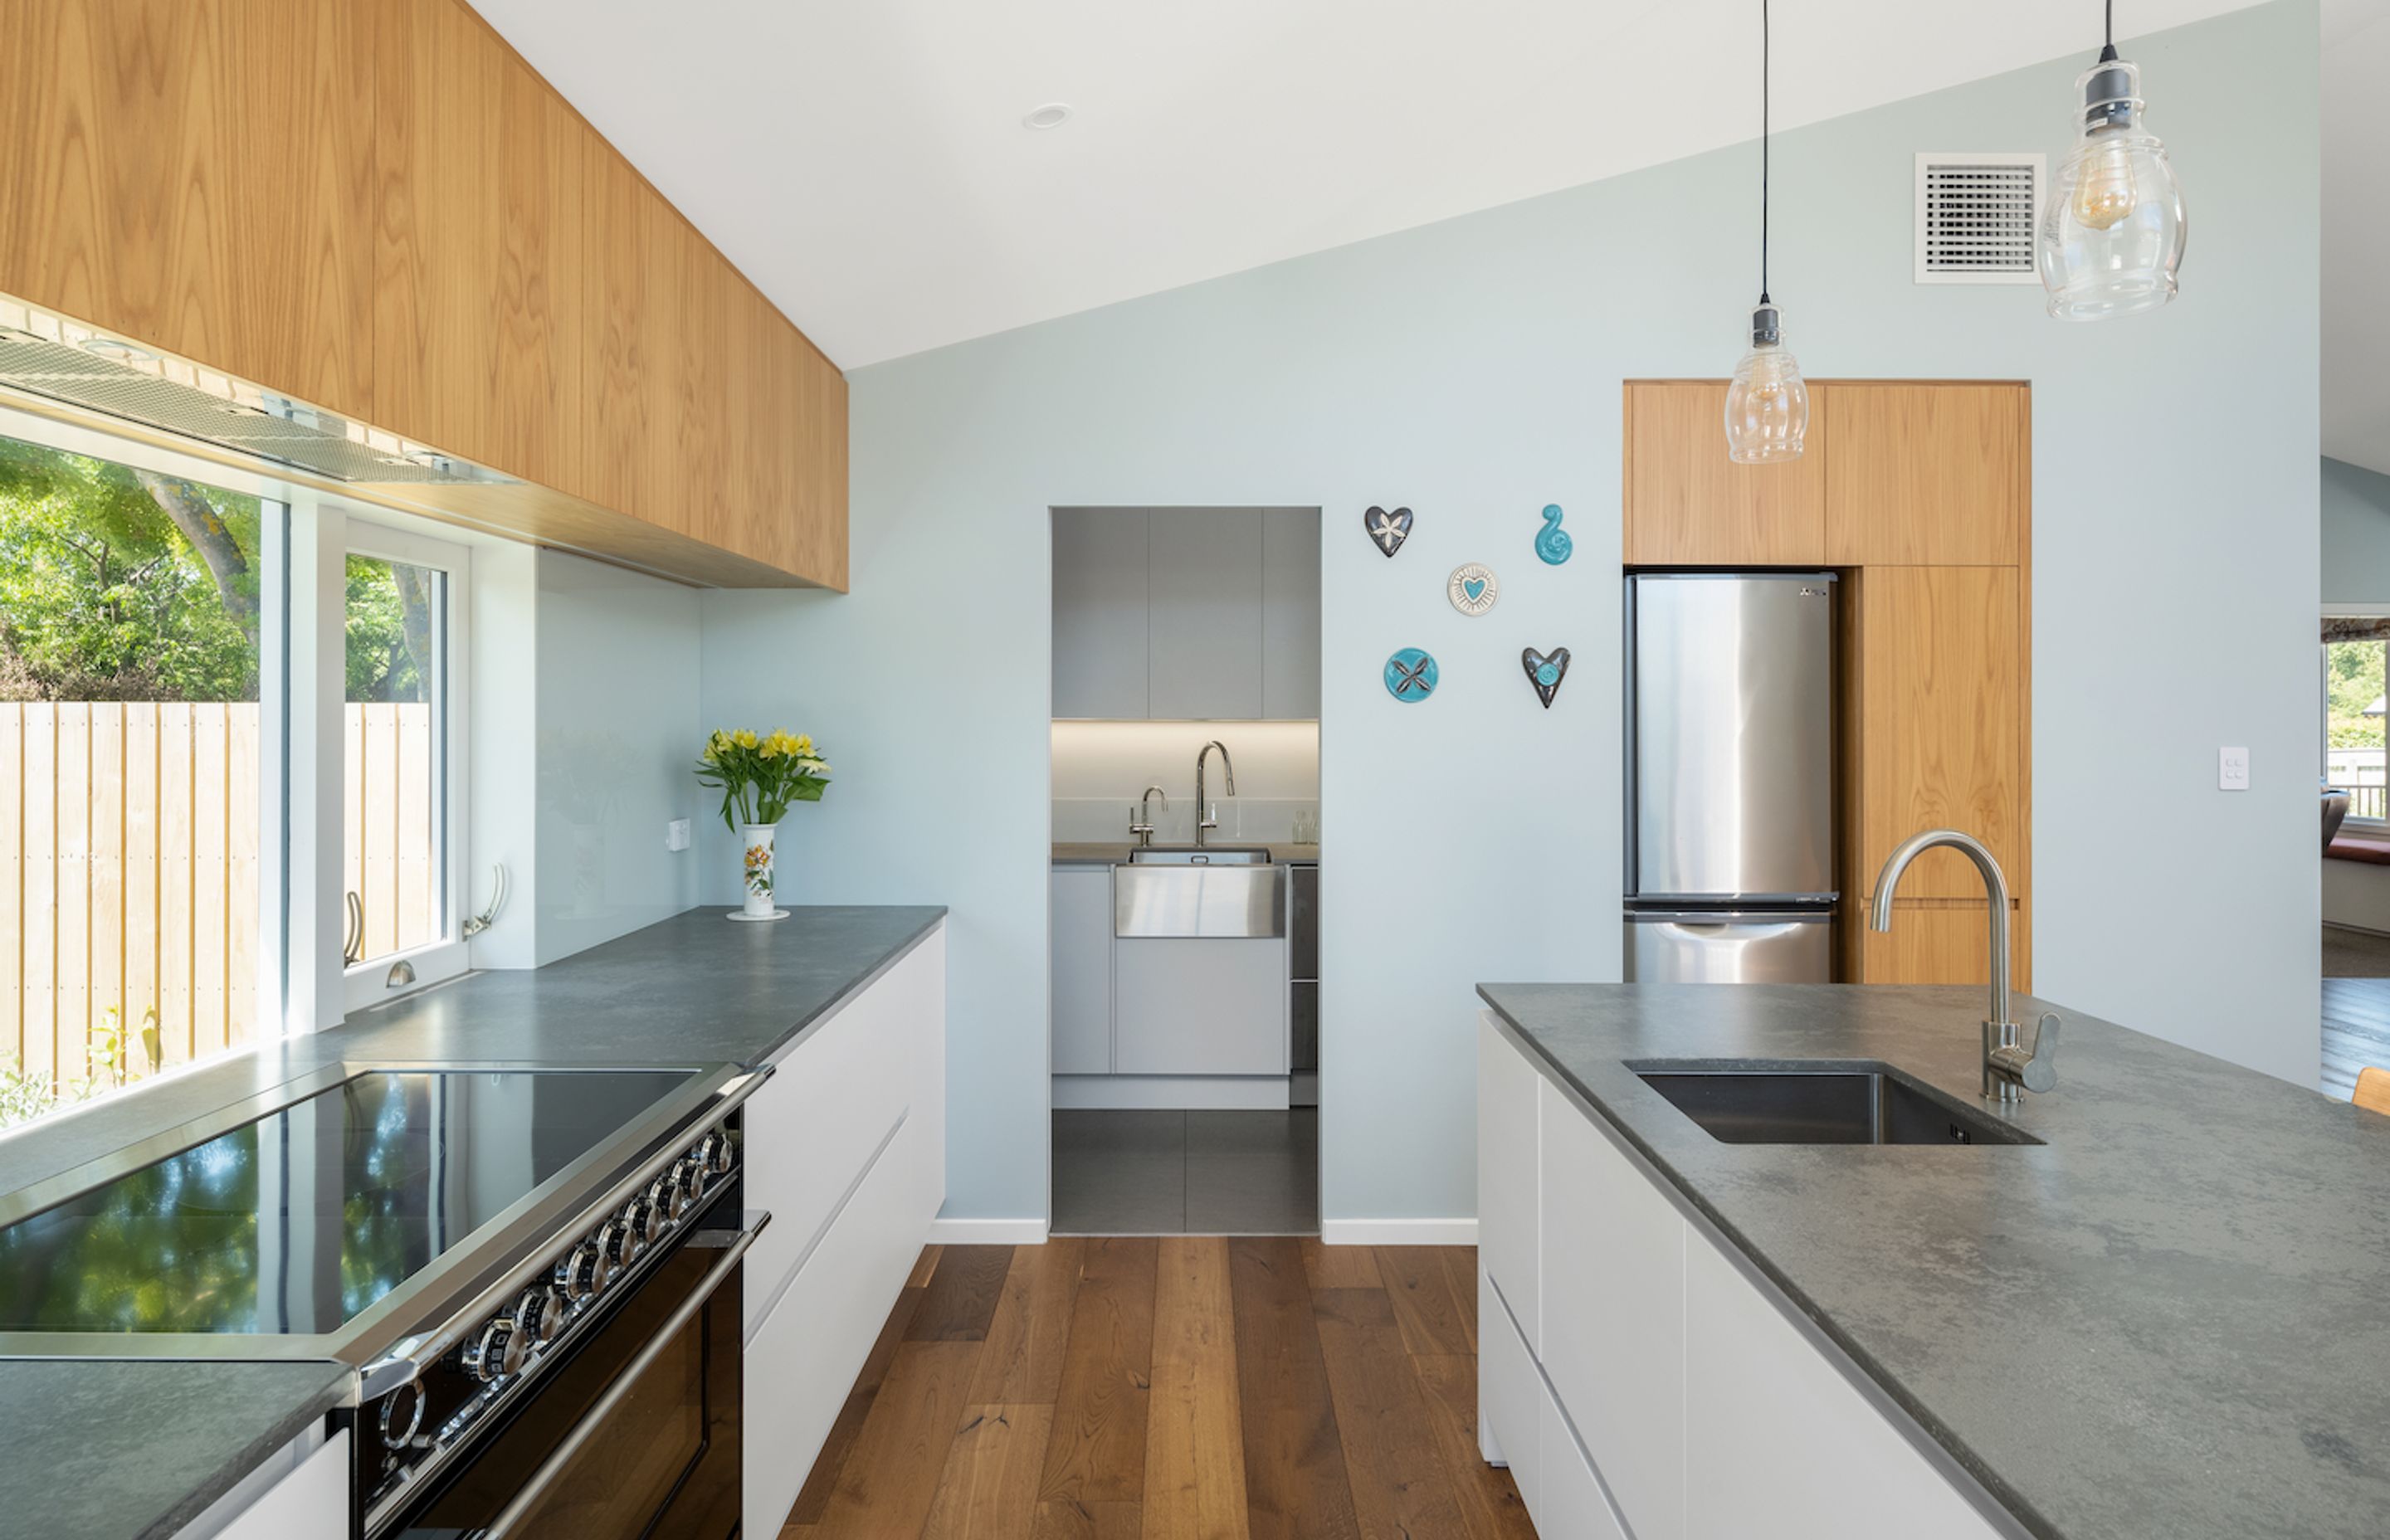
column 1184, row 1030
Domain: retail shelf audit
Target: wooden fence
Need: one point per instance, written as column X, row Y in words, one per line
column 130, row 859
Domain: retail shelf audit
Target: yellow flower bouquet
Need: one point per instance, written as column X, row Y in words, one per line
column 761, row 776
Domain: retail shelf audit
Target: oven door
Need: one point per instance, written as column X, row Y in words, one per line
column 635, row 1437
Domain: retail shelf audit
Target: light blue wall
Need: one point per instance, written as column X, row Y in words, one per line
column 1472, row 369
column 617, row 735
column 2355, row 534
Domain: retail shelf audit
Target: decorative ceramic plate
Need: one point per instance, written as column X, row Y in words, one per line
column 1410, row 675
column 1474, row 588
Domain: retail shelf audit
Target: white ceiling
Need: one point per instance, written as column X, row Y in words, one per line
column 2356, row 233
column 865, row 162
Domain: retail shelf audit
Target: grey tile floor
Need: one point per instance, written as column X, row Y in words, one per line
column 1168, row 1172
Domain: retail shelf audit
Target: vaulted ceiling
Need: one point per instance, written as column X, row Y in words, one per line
column 867, row 166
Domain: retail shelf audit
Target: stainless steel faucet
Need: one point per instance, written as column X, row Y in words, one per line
column 1142, row 825
column 1204, row 821
column 2007, row 1065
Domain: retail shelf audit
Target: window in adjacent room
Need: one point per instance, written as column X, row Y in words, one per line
column 2354, row 757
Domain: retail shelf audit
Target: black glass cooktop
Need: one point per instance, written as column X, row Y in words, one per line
column 301, row 1220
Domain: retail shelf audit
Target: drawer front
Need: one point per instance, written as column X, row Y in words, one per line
column 1782, row 1445
column 1570, row 1501
column 1508, row 1224
column 1199, row 1007
column 816, row 1125
column 1510, row 1394
column 803, row 1357
column 1613, row 1249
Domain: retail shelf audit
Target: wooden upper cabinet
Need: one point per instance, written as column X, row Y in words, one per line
column 1942, row 712
column 197, row 174
column 1688, row 505
column 478, row 295
column 1926, row 473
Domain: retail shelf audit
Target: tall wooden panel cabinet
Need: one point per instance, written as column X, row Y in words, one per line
column 1920, row 493
column 383, row 211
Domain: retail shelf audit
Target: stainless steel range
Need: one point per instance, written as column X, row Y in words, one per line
column 534, row 1271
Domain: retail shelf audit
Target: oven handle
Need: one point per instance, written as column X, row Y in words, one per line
column 552, row 1470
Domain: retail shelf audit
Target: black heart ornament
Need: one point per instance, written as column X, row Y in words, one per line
column 1544, row 671
column 1389, row 529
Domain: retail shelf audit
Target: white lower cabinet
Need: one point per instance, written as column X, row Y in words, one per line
column 1698, row 1407
column 1786, row 1446
column 1209, row 1006
column 846, row 1148
column 1613, row 1331
column 310, row 1503
column 1081, row 952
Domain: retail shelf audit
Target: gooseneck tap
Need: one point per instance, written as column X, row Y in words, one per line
column 1204, row 821
column 2007, row 1064
column 1142, row 825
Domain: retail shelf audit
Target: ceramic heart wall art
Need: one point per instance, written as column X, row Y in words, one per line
column 1544, row 671
column 1389, row 529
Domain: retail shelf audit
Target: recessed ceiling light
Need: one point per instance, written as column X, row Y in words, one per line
column 1051, row 115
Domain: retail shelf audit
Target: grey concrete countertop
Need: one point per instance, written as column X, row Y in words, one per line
column 1091, row 853
column 2169, row 1321
column 109, row 1450
column 694, row 989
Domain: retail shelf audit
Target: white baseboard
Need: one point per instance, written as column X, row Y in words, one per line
column 1398, row 1232
column 1196, row 1092
column 986, row 1232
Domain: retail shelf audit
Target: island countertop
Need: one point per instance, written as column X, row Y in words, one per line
column 694, row 989
column 2170, row 1321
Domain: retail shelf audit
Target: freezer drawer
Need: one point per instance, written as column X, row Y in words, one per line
column 1730, row 725
column 1746, row 948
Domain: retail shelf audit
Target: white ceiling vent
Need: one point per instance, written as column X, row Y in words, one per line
column 1975, row 217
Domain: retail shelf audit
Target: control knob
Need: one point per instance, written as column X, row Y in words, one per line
column 645, row 1218
column 620, row 1241
column 664, row 1195
column 538, row 1316
column 689, row 1176
column 714, row 1152
column 496, row 1349
column 402, row 1415
column 585, row 1271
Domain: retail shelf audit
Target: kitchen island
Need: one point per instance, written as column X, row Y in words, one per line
column 146, row 1446
column 2162, row 1320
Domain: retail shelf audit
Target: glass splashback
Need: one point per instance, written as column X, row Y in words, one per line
column 302, row 1220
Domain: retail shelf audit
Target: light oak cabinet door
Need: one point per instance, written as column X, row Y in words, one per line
column 477, row 324
column 1613, row 1340
column 1942, row 712
column 1688, row 505
column 197, row 175
column 1082, row 949
column 1925, row 474
column 1946, row 941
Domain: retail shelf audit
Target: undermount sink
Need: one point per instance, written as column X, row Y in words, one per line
column 1866, row 1103
column 1200, row 855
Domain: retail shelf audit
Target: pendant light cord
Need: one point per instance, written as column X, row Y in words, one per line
column 2108, row 50
column 1762, row 149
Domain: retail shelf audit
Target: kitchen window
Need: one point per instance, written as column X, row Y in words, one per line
column 2355, row 650
column 231, row 718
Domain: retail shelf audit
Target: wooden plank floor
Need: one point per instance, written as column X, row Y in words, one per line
column 1171, row 1387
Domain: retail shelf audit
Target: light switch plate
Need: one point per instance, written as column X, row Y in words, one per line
column 676, row 834
column 2232, row 769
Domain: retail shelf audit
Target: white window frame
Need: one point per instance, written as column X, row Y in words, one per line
column 395, row 974
column 2353, row 824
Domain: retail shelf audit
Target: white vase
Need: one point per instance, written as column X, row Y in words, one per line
column 756, row 872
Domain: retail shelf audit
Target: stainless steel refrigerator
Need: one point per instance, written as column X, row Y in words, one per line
column 1730, row 777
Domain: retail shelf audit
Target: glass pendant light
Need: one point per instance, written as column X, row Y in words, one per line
column 1766, row 405
column 2112, row 230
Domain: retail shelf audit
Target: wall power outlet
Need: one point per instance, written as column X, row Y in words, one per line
column 676, row 834
column 2232, row 769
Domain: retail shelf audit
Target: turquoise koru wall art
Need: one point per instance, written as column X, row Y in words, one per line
column 1410, row 675
column 1544, row 671
column 1553, row 542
